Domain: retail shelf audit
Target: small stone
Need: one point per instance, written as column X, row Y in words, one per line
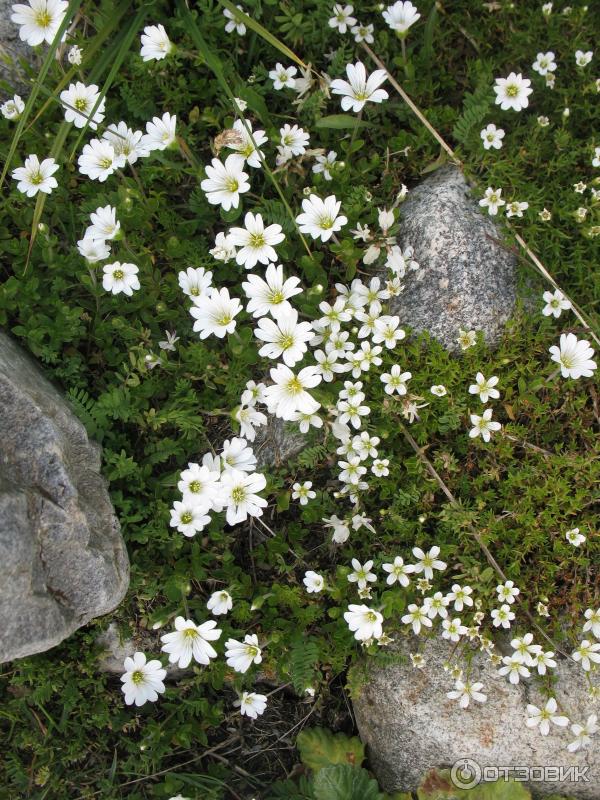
column 62, row 558
column 410, row 726
column 466, row 279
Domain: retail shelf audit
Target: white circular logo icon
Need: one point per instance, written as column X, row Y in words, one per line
column 465, row 773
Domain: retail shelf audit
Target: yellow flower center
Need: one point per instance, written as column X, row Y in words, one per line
column 80, row 104
column 257, row 240
column 137, row 677
column 238, row 494
column 187, row 517
column 512, row 90
column 195, row 487
column 231, row 185
column 294, row 386
column 43, row 18
column 118, row 274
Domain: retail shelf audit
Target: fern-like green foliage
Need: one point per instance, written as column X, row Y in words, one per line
column 320, row 748
column 310, row 457
column 475, row 106
column 303, row 658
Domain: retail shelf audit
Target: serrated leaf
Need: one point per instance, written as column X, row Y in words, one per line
column 320, row 748
column 345, row 782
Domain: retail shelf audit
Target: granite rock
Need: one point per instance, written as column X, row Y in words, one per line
column 466, row 279
column 409, row 725
column 62, row 558
column 12, row 51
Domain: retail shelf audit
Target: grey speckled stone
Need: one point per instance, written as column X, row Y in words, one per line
column 277, row 442
column 410, row 726
column 12, row 51
column 467, row 280
column 62, row 558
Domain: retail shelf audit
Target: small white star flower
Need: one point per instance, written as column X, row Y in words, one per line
column 592, row 622
column 79, row 101
column 513, row 669
column 401, row 16
column 417, row 617
column 36, row 176
column 484, row 387
column 342, row 18
column 544, row 63
column 188, row 517
column 256, row 242
column 195, row 282
column 574, row 357
column 219, row 603
column 483, row 425
column 513, row 92
column 283, row 77
column 240, row 495
column 190, row 641
column 252, row 704
column 359, row 89
column 574, row 537
column 587, row 653
column 13, row 108
column 241, row 655
column 542, row 717
column 104, row 223
column 582, row 59
column 492, row 137
column 320, row 217
column 502, row 617
column 583, row 733
column 155, row 43
column 556, row 303
column 40, row 20
column 225, row 182
column 439, row 390
column 215, row 313
column 398, row 571
column 98, row 160
column 507, row 592
column 142, row 680
column 465, row 691
column 516, row 208
column 234, row 22
column 303, row 492
column 492, row 200
column 160, row 132
column 365, row 622
column 466, row 339
column 120, row 278
column 427, row 562
column 314, row 582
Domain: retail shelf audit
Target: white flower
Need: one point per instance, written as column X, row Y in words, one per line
column 305, row 421
column 583, row 733
column 543, row 121
column 98, row 160
column 466, row 339
column 215, row 313
column 427, row 562
column 542, row 717
column 492, row 137
column 484, row 387
column 464, row 691
column 395, row 380
column 363, row 33
column 574, row 537
column 241, row 655
column 401, row 16
column 387, row 330
column 439, row 390
column 380, row 467
column 294, row 141
column 542, row 660
column 188, row 517
column 104, row 223
column 40, row 20
column 189, row 640
column 587, row 653
column 324, row 164
column 195, row 282
column 417, row 617
column 492, row 200
column 352, row 410
column 574, row 356
column 225, row 182
column 544, row 63
column 234, row 21
column 596, row 158
column 502, row 616
column 303, row 492
column 252, row 704
column 143, row 680
column 342, row 18
column 364, row 621
column 285, row 337
column 237, row 454
column 514, row 669
column 283, row 77
column 556, row 303
column 93, row 250
column 314, row 583
column 593, row 622
column 359, row 89
column 525, row 649
column 74, row 55
column 249, row 419
column 160, row 132
column 223, row 249
column 256, row 241
column 240, row 495
column 219, row 603
column 272, row 294
column 120, row 277
column 288, row 392
column 341, row 531
column 362, row 574
column 36, row 176
column 483, row 425
column 79, row 101
column 507, row 592
column 516, row 209
column 199, row 485
column 513, row 92
column 581, row 59
column 461, row 596
column 127, row 142
column 155, row 43
column 247, row 142
column 13, row 108
column 398, row 571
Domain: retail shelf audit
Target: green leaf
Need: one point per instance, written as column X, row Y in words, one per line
column 319, row 748
column 341, row 122
column 345, row 782
column 438, row 785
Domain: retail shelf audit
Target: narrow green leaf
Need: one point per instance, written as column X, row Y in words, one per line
column 341, row 122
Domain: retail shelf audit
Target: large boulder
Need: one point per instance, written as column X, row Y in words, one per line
column 13, row 50
column 467, row 280
column 62, row 558
column 410, row 726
